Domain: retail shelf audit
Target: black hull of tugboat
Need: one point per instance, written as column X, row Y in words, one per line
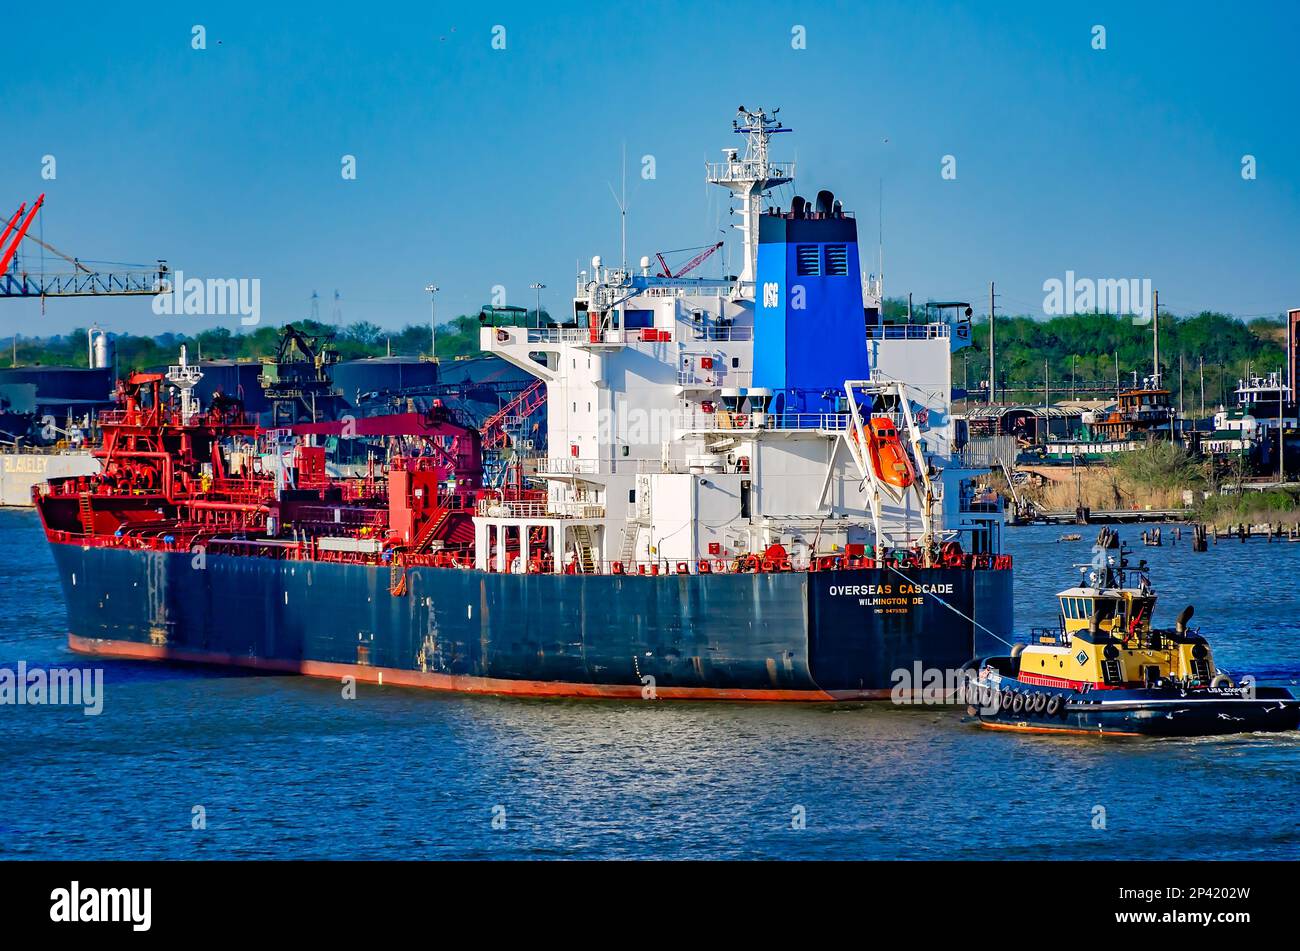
column 1005, row 703
column 835, row 635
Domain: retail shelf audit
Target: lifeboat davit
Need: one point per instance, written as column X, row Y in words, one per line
column 885, row 453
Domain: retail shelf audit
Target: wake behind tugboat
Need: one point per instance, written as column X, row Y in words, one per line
column 1106, row 670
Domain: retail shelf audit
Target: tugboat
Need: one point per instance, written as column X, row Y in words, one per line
column 1106, row 670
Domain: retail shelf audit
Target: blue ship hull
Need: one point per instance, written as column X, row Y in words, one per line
column 778, row 636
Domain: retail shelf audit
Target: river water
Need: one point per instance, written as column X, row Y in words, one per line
column 191, row 763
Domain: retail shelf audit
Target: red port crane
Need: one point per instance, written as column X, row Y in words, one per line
column 22, row 232
column 82, row 282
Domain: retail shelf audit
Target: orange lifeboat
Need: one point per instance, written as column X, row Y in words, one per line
column 886, row 454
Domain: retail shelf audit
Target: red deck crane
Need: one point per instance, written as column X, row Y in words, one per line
column 690, row 265
column 517, row 410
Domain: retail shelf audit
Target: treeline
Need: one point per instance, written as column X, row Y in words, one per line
column 1088, row 349
column 1081, row 347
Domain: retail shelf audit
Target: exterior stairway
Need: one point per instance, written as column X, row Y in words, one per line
column 630, row 535
column 86, row 512
column 586, row 555
column 430, row 529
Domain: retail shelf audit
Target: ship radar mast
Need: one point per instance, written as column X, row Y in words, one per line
column 185, row 376
column 748, row 177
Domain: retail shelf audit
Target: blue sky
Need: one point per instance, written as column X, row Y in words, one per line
column 479, row 167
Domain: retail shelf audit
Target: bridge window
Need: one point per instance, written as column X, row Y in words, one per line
column 837, row 260
column 807, row 260
column 638, row 319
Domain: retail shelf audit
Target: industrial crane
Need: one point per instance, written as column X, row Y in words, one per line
column 81, row 282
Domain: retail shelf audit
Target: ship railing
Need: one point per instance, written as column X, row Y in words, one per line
column 725, row 420
column 360, row 489
column 681, row 287
column 582, row 336
column 343, row 516
column 539, row 509
column 744, row 169
column 238, row 490
column 60, row 448
column 974, row 503
column 720, row 332
column 565, row 465
column 684, row 289
column 714, row 379
column 1050, row 636
column 111, row 417
column 931, row 331
column 745, row 564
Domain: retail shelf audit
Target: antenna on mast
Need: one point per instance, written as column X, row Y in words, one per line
column 623, row 206
column 622, row 209
column 748, row 177
column 880, row 238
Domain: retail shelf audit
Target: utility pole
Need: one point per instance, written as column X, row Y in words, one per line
column 1202, row 386
column 1281, row 436
column 1155, row 331
column 1074, row 380
column 909, row 307
column 1046, row 401
column 538, row 286
column 1180, row 386
column 993, row 364
column 433, row 321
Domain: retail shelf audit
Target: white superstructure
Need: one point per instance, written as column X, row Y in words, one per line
column 663, row 453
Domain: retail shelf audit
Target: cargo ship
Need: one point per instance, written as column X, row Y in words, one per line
column 749, row 492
